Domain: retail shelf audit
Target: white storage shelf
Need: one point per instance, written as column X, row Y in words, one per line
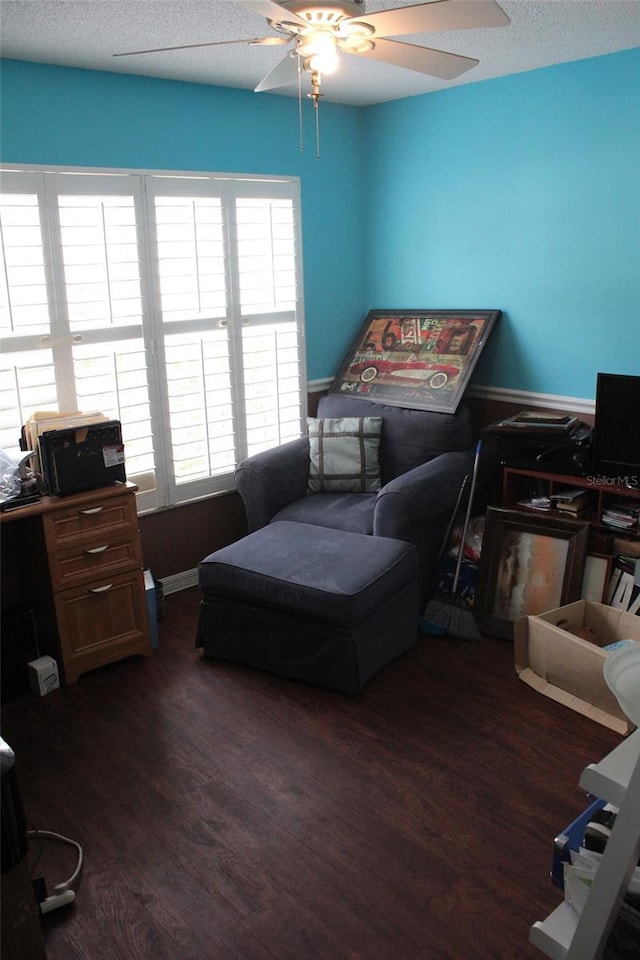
column 564, row 935
column 610, row 778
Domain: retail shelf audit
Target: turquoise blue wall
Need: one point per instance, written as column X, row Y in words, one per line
column 64, row 116
column 520, row 193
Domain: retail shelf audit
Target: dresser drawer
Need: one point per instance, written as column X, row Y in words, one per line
column 102, row 622
column 95, row 559
column 78, row 523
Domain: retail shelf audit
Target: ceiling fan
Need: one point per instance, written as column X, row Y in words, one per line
column 320, row 30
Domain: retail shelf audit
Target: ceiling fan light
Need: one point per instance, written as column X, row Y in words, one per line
column 317, row 43
column 326, row 62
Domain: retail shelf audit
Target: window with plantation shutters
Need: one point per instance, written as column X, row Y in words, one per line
column 169, row 302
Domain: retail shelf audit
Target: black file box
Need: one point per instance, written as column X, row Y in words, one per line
column 82, row 458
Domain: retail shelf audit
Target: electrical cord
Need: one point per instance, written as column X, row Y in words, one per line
column 63, row 894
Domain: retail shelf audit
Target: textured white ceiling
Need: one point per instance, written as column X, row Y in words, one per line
column 86, row 33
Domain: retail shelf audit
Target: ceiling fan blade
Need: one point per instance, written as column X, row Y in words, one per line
column 435, row 63
column 283, row 74
column 437, row 16
column 267, row 41
column 272, row 11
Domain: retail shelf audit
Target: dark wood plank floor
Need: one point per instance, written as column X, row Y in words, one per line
column 226, row 814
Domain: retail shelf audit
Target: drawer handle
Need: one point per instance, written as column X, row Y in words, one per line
column 104, row 589
column 91, row 511
column 98, row 549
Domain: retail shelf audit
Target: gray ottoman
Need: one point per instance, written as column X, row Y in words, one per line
column 310, row 603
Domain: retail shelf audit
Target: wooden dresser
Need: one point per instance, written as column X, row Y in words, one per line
column 77, row 562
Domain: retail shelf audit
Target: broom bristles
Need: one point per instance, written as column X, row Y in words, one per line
column 438, row 612
column 452, row 617
column 463, row 625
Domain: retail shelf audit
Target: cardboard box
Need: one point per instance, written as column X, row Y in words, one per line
column 566, row 667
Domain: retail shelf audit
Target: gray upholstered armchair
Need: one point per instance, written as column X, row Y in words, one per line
column 423, row 456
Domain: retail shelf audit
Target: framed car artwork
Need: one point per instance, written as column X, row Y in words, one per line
column 415, row 358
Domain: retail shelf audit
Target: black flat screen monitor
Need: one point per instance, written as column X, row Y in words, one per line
column 616, row 432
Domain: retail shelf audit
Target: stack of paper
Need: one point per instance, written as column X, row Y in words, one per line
column 622, row 515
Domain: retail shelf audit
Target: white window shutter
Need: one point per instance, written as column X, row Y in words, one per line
column 172, row 303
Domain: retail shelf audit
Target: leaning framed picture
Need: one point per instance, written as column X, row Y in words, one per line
column 597, row 573
column 422, row 359
column 528, row 565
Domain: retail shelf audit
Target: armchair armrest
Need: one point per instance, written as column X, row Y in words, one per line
column 417, row 506
column 270, row 480
column 410, row 502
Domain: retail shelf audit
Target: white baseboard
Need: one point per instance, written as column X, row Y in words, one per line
column 180, row 581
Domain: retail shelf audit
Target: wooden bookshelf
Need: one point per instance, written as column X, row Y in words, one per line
column 522, row 484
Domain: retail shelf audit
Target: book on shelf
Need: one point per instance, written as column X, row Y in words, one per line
column 571, row 495
column 571, row 511
column 573, row 501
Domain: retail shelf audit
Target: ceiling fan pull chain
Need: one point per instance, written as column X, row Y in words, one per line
column 316, row 108
column 315, row 96
column 300, row 124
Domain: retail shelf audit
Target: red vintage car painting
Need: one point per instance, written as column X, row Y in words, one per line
column 434, row 375
column 421, row 359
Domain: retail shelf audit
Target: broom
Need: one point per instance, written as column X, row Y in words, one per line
column 436, row 616
column 451, row 615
